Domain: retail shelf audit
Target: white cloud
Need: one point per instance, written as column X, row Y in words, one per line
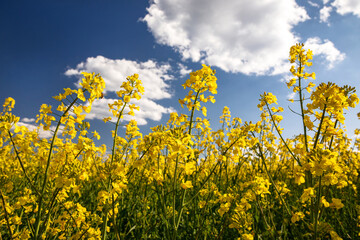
column 251, row 37
column 286, row 77
column 291, row 95
column 114, row 72
column 148, row 110
column 325, row 14
column 325, row 49
column 183, row 70
column 154, row 77
column 313, row 4
column 347, row 6
column 28, row 120
column 29, row 123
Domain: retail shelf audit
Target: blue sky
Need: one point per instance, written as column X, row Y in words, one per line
column 44, row 45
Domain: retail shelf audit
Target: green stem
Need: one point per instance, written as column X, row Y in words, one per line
column 117, row 234
column 174, row 198
column 192, row 112
column 317, row 210
column 176, row 223
column 272, row 181
column 332, row 137
column 319, row 128
column 319, row 191
column 6, row 215
column 282, row 139
column 212, row 171
column 38, row 219
column 302, row 108
column 105, row 215
column 22, row 165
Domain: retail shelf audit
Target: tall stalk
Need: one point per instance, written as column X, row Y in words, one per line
column 176, row 223
column 108, row 187
column 41, row 196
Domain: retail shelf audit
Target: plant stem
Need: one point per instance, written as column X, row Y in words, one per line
column 105, row 215
column 317, row 206
column 6, row 215
column 40, row 201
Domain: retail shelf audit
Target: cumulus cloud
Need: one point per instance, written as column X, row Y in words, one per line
column 154, row 76
column 148, row 110
column 28, row 120
column 326, row 49
column 291, row 96
column 114, row 71
column 325, row 14
column 251, row 37
column 313, row 4
column 183, row 70
column 30, row 124
column 347, row 6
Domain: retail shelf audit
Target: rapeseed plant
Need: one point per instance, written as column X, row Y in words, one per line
column 183, row 180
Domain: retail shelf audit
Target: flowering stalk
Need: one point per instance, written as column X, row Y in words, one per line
column 182, row 201
column 129, row 89
column 22, row 165
column 6, row 215
column 40, row 200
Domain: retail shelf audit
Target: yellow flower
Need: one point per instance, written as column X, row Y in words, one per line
column 186, row 185
column 202, row 204
column 308, row 193
column 324, row 202
column 87, row 109
column 224, row 208
column 96, row 135
column 189, row 168
column 127, row 99
column 334, row 236
column 308, row 123
column 84, row 176
column 247, row 236
column 107, row 119
column 313, row 75
column 297, row 217
column 45, row 109
column 9, row 103
column 336, row 203
column 291, row 82
column 78, row 110
column 211, row 99
column 80, row 95
column 204, row 111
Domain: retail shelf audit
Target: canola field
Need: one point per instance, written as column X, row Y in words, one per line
column 184, row 180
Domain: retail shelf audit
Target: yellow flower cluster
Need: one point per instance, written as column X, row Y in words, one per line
column 301, row 58
column 199, row 82
column 183, row 180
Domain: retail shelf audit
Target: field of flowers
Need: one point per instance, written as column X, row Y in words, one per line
column 183, row 180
